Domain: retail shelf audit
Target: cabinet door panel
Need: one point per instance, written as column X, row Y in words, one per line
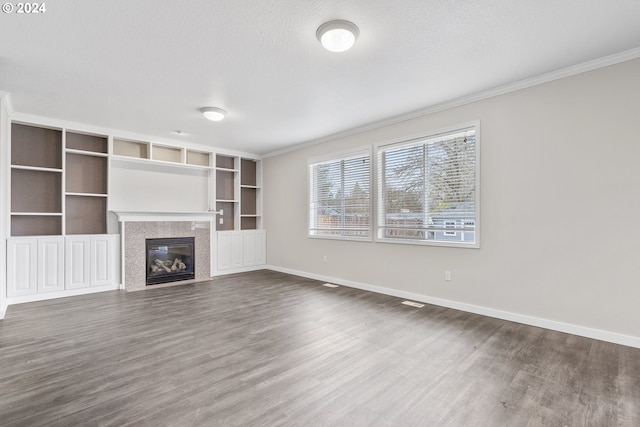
column 50, row 264
column 249, row 248
column 237, row 252
column 102, row 260
column 22, row 267
column 261, row 247
column 223, row 255
column 77, row 265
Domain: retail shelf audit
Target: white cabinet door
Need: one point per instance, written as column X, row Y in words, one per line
column 261, row 247
column 237, row 252
column 238, row 249
column 77, row 262
column 249, row 242
column 103, row 257
column 22, row 267
column 223, row 250
column 50, row 264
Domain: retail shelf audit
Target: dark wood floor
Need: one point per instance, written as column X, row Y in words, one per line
column 269, row 349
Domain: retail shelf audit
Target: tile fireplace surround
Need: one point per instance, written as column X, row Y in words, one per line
column 134, row 250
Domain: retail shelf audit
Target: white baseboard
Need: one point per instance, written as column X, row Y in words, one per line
column 3, row 310
column 582, row 331
column 68, row 293
column 238, row 270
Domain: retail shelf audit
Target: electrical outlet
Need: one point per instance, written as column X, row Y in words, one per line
column 221, row 220
column 447, row 275
column 324, row 258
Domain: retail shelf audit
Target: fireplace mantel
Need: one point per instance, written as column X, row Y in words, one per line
column 137, row 226
column 127, row 216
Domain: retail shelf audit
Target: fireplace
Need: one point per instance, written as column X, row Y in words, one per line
column 170, row 260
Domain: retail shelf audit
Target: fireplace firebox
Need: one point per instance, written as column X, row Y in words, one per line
column 170, row 260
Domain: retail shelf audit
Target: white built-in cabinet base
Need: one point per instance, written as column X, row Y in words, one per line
column 240, row 250
column 56, row 266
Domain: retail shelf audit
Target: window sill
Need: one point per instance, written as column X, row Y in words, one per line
column 345, row 238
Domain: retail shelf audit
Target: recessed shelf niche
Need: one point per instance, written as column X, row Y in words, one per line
column 198, row 158
column 36, row 180
column 36, row 146
column 86, row 174
column 86, row 215
column 138, row 150
column 250, row 196
column 86, row 183
column 226, row 192
column 166, row 154
column 88, row 143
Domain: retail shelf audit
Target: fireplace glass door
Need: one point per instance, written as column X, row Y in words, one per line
column 170, row 260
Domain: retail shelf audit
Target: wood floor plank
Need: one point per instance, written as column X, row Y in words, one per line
column 271, row 349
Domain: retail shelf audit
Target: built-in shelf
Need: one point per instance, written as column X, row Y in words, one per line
column 86, row 174
column 86, row 194
column 42, row 224
column 166, row 154
column 137, row 150
column 86, row 183
column 86, row 143
column 250, row 195
column 227, row 197
column 198, row 158
column 85, row 214
column 152, row 153
column 36, row 146
column 36, row 180
column 237, row 193
column 41, row 203
column 36, row 213
column 86, row 153
column 60, row 179
column 36, row 168
column 226, row 162
column 225, row 185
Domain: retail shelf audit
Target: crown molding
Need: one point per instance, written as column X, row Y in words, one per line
column 584, row 67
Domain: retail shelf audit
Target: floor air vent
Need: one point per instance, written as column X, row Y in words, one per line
column 413, row 304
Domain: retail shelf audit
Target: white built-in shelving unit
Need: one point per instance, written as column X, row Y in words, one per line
column 241, row 239
column 61, row 182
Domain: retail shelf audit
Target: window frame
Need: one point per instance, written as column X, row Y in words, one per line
column 408, row 141
column 336, row 157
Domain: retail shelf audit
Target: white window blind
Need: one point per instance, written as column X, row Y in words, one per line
column 427, row 189
column 340, row 197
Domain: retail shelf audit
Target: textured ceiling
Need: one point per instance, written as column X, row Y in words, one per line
column 148, row 66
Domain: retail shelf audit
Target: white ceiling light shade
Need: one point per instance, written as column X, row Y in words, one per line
column 214, row 114
column 338, row 35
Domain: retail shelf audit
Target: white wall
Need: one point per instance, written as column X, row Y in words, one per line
column 560, row 196
column 157, row 188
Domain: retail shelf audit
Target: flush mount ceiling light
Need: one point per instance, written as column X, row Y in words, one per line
column 338, row 35
column 213, row 113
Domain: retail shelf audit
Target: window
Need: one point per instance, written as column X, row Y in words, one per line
column 340, row 197
column 428, row 189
